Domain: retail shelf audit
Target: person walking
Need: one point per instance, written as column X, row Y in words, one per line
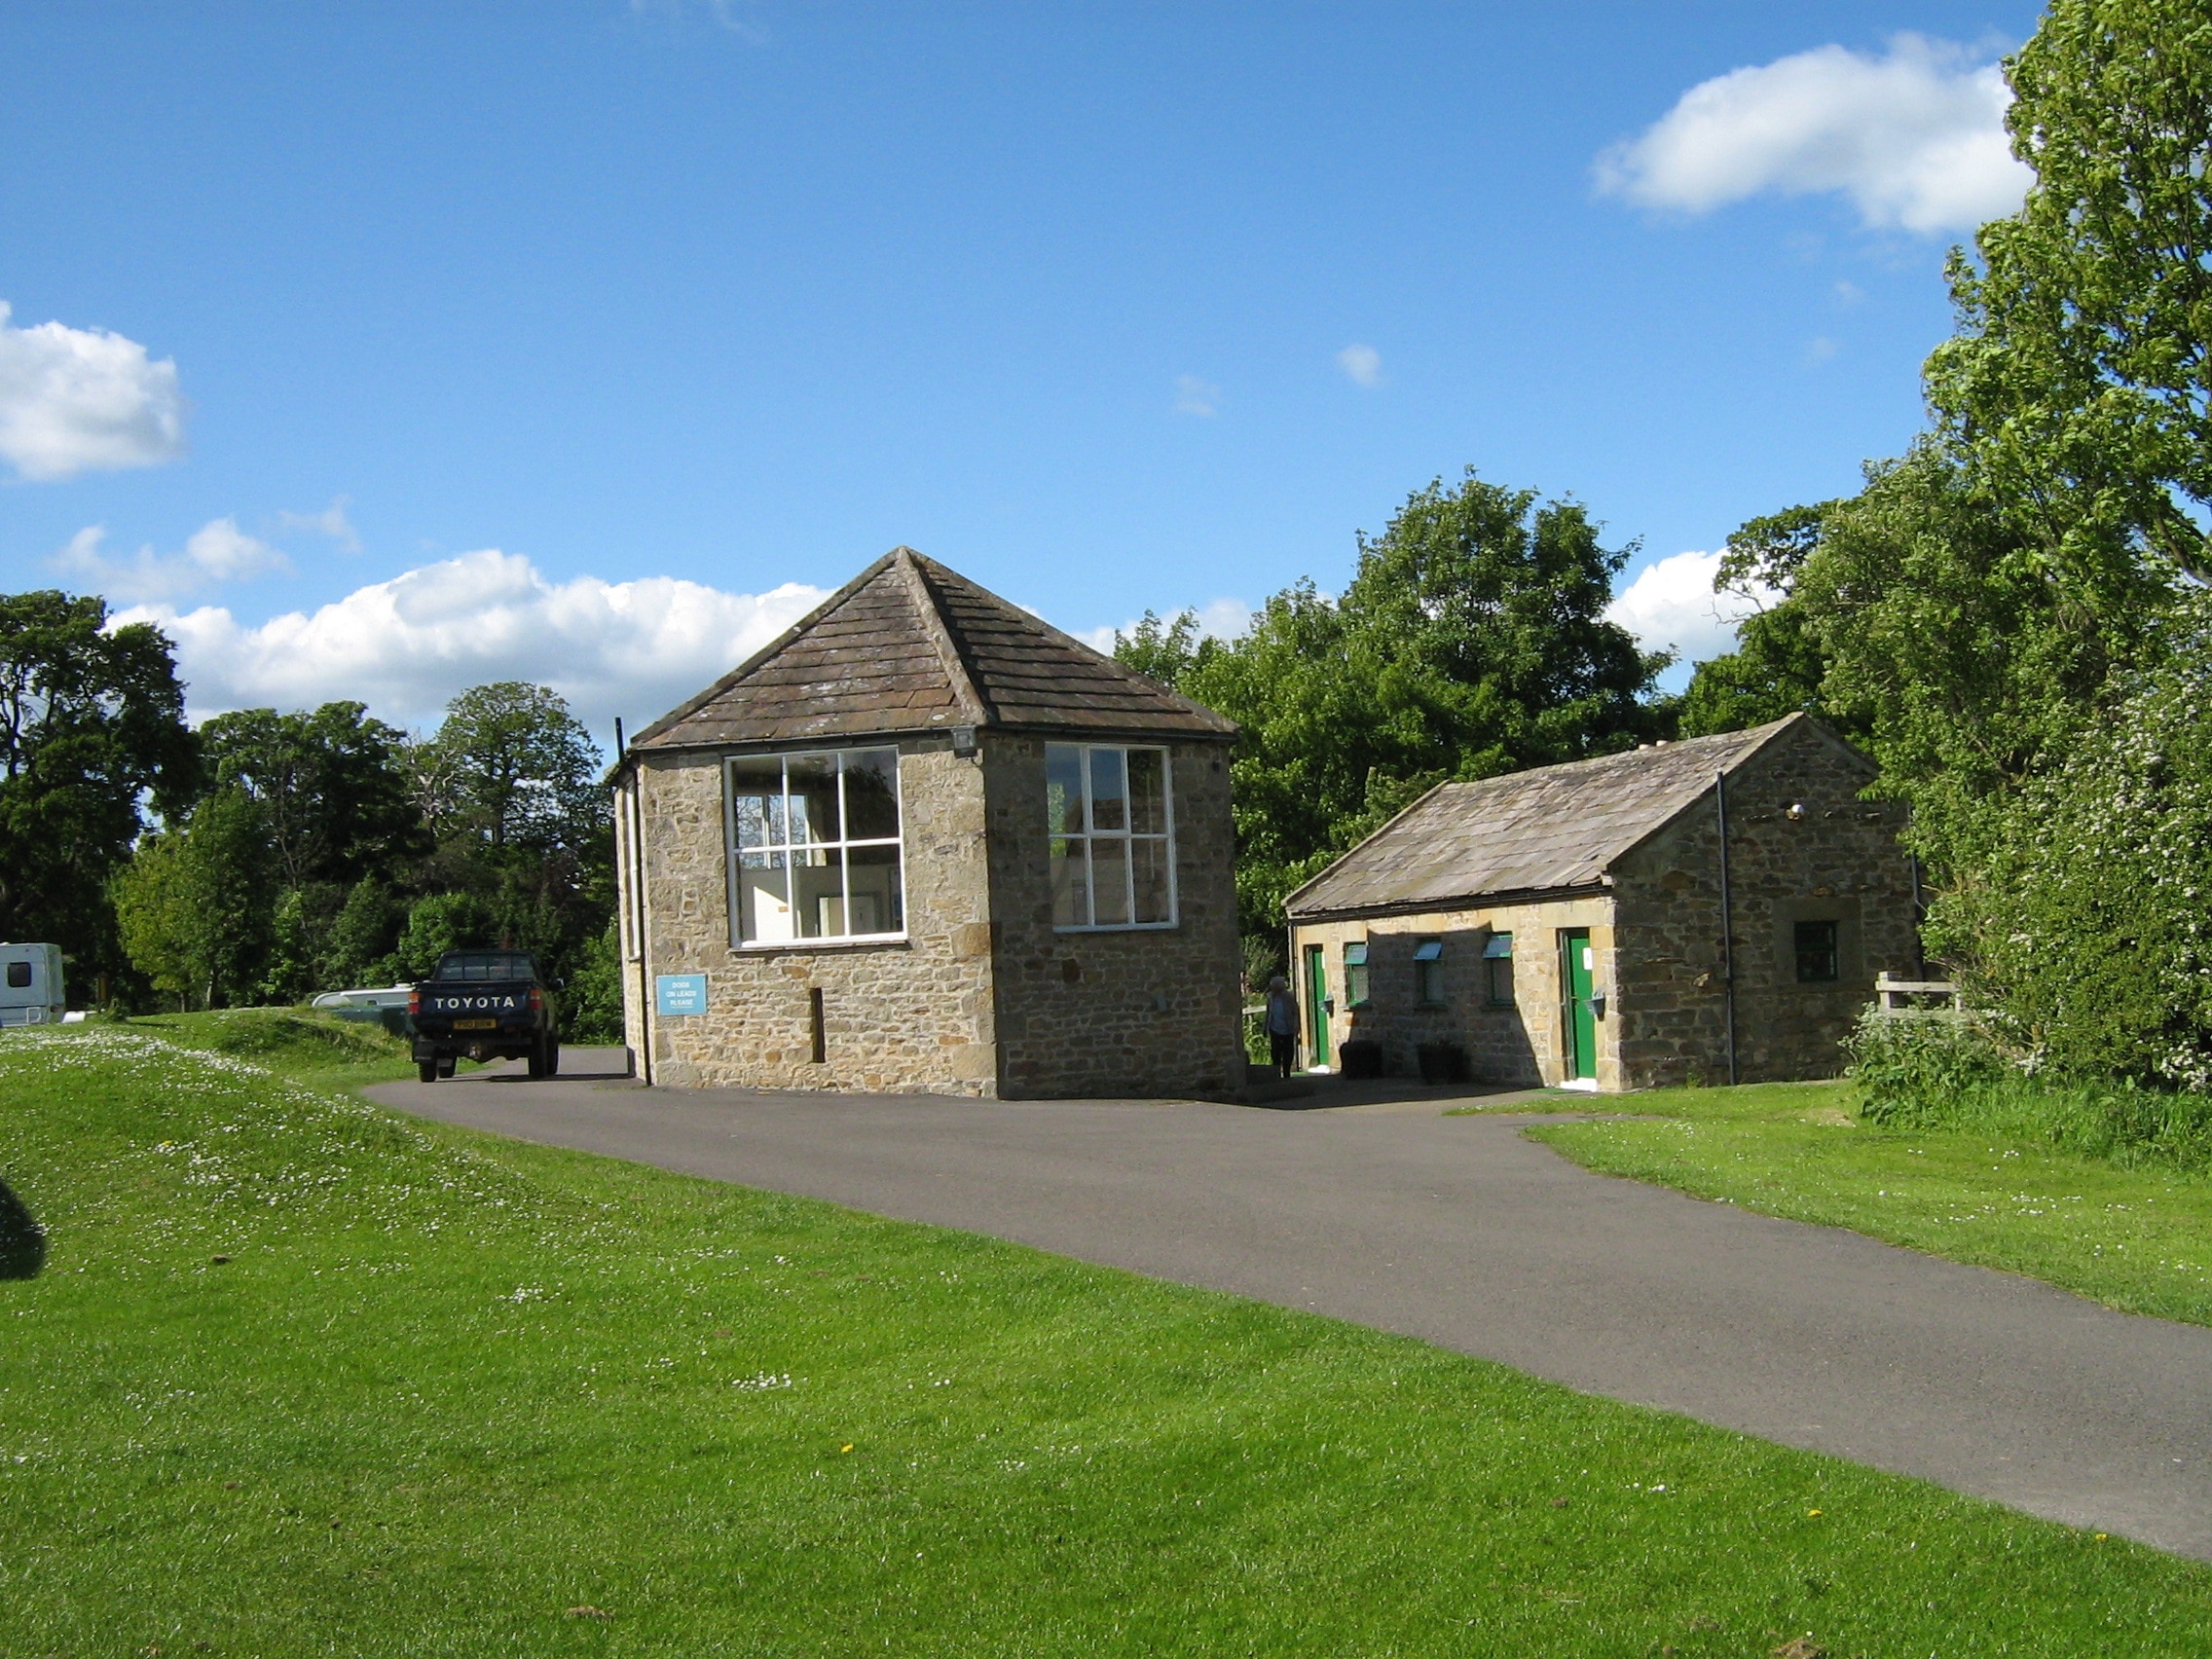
column 1282, row 1025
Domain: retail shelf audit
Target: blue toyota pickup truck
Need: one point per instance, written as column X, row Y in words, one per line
column 486, row 1004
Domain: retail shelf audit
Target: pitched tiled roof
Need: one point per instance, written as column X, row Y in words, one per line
column 910, row 646
column 1548, row 830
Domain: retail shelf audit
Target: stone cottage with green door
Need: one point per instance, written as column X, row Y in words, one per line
column 1709, row 910
column 926, row 842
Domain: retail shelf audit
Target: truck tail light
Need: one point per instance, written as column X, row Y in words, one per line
column 414, row 1002
column 536, row 1000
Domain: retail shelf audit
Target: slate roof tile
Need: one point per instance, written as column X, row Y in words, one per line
column 1550, row 829
column 911, row 646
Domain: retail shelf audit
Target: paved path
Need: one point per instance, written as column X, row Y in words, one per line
column 1460, row 1233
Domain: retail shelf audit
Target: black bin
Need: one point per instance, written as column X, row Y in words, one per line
column 1362, row 1057
column 1444, row 1062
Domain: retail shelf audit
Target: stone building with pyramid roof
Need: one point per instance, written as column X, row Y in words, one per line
column 924, row 841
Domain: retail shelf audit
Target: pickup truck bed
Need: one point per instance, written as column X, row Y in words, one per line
column 485, row 1004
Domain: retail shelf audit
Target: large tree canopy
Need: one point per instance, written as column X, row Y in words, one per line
column 1471, row 641
column 91, row 724
column 2080, row 383
column 330, row 783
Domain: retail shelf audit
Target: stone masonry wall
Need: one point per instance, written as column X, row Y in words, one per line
column 1519, row 1045
column 1115, row 1013
column 912, row 1016
column 1837, row 860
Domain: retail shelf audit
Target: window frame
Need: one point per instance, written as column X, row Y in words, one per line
column 1359, row 988
column 1127, row 837
column 1492, row 956
column 1429, row 973
column 1833, row 950
column 842, row 847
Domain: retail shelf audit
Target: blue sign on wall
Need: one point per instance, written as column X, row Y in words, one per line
column 680, row 993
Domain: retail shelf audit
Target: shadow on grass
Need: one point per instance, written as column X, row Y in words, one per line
column 22, row 1242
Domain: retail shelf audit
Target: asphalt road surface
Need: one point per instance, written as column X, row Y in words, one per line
column 1460, row 1233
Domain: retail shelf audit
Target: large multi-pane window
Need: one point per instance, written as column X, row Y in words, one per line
column 1113, row 836
column 814, row 846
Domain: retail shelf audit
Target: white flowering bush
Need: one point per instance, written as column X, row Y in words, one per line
column 2084, row 929
column 1941, row 1070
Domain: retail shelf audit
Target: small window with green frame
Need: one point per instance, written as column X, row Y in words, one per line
column 1820, row 957
column 1429, row 973
column 1355, row 974
column 1498, row 970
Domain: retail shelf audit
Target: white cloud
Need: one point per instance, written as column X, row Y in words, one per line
column 406, row 645
column 76, row 400
column 331, row 522
column 1914, row 137
column 1195, row 397
column 1218, row 619
column 218, row 551
column 1671, row 605
column 1363, row 364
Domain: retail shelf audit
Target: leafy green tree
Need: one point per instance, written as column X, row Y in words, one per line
column 196, row 906
column 358, row 948
column 92, row 728
column 443, row 922
column 1778, row 661
column 1974, row 662
column 2080, row 383
column 1471, row 641
column 331, row 783
column 519, row 769
column 2085, row 924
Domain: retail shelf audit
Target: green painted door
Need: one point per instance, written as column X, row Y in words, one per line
column 1579, row 976
column 1316, row 1007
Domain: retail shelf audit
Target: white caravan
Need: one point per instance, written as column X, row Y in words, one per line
column 30, row 984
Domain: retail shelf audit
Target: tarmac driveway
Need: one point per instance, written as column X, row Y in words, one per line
column 1460, row 1233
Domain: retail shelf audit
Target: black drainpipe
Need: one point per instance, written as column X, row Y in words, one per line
column 1727, row 920
column 633, row 827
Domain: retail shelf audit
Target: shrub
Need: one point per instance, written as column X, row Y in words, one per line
column 1941, row 1070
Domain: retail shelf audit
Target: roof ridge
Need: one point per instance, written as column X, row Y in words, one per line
column 768, row 654
column 938, row 571
column 912, row 569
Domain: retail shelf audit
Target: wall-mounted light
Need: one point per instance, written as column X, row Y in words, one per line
column 963, row 740
column 1795, row 812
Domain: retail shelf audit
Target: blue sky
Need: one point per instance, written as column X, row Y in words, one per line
column 690, row 311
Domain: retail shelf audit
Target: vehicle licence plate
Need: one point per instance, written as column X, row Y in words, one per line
column 476, row 1025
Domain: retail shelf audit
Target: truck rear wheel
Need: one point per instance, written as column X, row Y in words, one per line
column 538, row 1057
column 427, row 1070
column 553, row 1056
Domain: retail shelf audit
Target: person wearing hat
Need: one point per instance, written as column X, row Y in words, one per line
column 1282, row 1025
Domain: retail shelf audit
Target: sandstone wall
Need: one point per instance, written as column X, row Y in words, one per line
column 1518, row 1045
column 910, row 1015
column 1115, row 1013
column 1836, row 860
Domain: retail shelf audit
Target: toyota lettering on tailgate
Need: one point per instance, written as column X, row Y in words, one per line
column 454, row 1005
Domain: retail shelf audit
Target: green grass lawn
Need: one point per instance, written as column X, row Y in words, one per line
column 297, row 1377
column 2139, row 1238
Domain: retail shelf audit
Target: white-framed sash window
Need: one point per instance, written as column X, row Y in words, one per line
column 814, row 847
column 1110, row 813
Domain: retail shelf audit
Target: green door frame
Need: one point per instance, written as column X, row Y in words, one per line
column 1318, row 1005
column 1578, row 979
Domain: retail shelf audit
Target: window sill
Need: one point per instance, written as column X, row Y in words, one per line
column 1119, row 928
column 780, row 946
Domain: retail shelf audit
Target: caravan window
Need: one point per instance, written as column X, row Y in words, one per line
column 18, row 975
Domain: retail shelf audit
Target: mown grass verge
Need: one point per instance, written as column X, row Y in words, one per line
column 2132, row 1233
column 298, row 1376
